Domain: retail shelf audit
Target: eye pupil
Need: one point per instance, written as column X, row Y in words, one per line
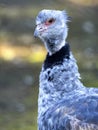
column 51, row 20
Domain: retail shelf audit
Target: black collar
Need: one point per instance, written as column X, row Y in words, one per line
column 58, row 57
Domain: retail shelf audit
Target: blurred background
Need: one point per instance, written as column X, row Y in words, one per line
column 21, row 55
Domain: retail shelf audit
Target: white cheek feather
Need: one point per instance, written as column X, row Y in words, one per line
column 62, row 25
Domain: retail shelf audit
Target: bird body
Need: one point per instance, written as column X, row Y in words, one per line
column 64, row 103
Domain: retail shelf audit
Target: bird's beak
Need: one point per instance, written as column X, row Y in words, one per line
column 36, row 33
column 39, row 30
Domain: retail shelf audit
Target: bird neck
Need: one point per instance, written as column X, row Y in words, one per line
column 54, row 44
column 58, row 57
column 59, row 79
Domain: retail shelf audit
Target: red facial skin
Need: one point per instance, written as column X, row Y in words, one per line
column 43, row 27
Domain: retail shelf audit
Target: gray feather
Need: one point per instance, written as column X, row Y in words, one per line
column 64, row 103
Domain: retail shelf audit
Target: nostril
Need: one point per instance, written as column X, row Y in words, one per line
column 40, row 28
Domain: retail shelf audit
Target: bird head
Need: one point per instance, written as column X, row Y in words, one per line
column 51, row 28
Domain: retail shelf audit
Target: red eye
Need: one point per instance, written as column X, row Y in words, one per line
column 49, row 21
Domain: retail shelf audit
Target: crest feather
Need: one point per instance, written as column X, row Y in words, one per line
column 67, row 18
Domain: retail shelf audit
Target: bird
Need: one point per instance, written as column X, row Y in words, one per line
column 64, row 103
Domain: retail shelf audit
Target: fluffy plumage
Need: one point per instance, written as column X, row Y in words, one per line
column 52, row 29
column 64, row 102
